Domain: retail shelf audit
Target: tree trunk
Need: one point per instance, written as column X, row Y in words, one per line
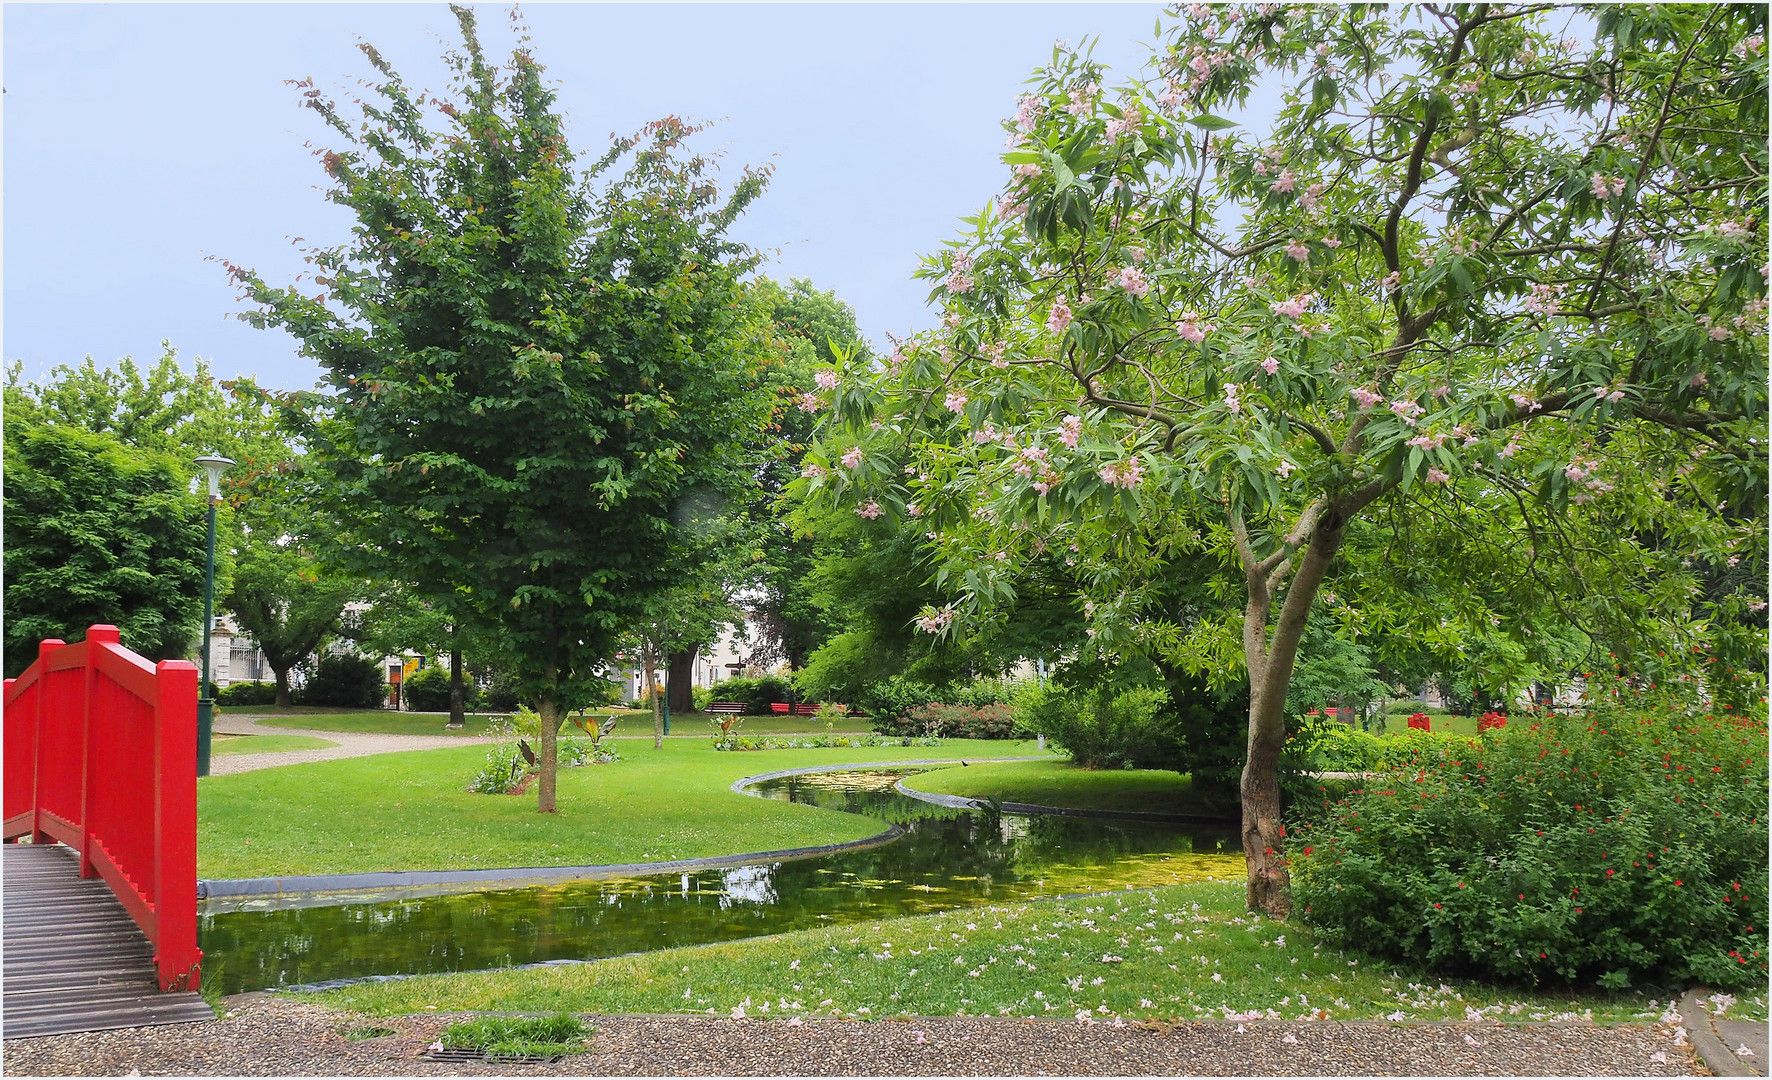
column 550, row 712
column 457, row 693
column 680, row 687
column 649, row 668
column 1270, row 675
column 282, row 701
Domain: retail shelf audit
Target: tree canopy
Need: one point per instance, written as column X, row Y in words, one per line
column 527, row 366
column 1474, row 265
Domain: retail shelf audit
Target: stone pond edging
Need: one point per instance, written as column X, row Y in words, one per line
column 320, row 889
column 961, row 802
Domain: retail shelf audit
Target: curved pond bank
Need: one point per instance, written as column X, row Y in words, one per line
column 945, row 858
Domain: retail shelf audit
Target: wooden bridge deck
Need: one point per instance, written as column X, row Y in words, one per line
column 74, row 959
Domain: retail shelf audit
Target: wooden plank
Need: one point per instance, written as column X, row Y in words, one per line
column 74, row 958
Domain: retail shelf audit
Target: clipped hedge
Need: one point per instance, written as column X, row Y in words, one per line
column 346, row 681
column 757, row 694
column 1625, row 846
column 247, row 693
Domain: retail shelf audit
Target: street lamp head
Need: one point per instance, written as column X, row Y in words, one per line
column 213, row 467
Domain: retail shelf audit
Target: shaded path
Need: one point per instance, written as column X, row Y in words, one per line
column 350, row 744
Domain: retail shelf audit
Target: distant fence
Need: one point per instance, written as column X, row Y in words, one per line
column 101, row 754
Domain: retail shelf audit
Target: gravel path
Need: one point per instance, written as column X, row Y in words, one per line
column 271, row 1036
column 350, row 744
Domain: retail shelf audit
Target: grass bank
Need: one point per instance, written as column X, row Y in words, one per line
column 1061, row 783
column 265, row 744
column 631, row 725
column 413, row 811
column 1178, row 952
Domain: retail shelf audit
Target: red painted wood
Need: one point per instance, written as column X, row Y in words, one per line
column 101, row 754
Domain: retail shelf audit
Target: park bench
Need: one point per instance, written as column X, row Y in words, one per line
column 733, row 707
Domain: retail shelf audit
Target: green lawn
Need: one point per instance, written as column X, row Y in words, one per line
column 632, row 724
column 1457, row 725
column 1179, row 952
column 1060, row 783
column 413, row 811
column 265, row 744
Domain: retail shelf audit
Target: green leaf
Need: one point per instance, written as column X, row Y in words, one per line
column 1208, row 122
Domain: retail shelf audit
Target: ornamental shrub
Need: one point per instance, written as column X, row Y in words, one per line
column 345, row 681
column 247, row 693
column 944, row 721
column 428, row 690
column 1623, row 846
column 1104, row 728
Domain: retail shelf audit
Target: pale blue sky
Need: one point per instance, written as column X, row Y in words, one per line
column 142, row 139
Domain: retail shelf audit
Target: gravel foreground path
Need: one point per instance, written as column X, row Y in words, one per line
column 266, row 1035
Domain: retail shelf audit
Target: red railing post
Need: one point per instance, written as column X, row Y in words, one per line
column 44, row 648
column 97, row 635
column 175, row 826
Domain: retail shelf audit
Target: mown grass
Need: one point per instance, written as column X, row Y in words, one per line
column 1062, row 783
column 413, row 811
column 265, row 744
column 631, row 725
column 1178, row 952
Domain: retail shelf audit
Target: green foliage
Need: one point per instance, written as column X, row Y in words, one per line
column 347, row 681
column 728, row 741
column 428, row 690
column 247, row 693
column 757, row 694
column 98, row 533
column 1102, row 727
column 996, row 721
column 1338, row 748
column 503, row 1037
column 530, row 368
column 1624, row 846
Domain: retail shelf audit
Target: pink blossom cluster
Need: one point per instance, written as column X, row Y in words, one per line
column 934, row 621
column 1027, row 111
column 1613, row 394
column 1191, row 328
column 1440, row 392
column 869, row 510
column 1029, row 458
column 1028, row 168
column 1270, row 365
column 986, row 434
column 813, row 470
column 1082, row 99
column 1131, row 278
column 1070, row 429
column 1284, row 468
column 1287, row 180
column 1231, row 400
column 1128, row 122
column 1366, row 398
column 809, row 402
column 1010, row 207
column 1312, row 197
column 1512, row 448
column 1606, row 187
column 826, row 380
column 955, row 401
column 1123, row 474
column 1427, row 441
column 1525, row 401
column 1060, row 318
column 1407, row 411
column 1171, row 98
column 995, row 353
column 1137, row 255
column 1586, row 473
column 1436, row 476
column 1292, row 307
column 1203, row 62
column 1730, row 230
column 958, row 282
column 1699, row 379
column 1753, row 45
column 1330, row 241
column 852, row 457
column 1543, row 300
column 1298, row 251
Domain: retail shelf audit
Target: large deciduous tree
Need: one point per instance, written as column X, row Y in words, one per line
column 528, row 365
column 1481, row 256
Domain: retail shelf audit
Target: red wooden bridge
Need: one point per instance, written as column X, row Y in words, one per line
column 100, row 925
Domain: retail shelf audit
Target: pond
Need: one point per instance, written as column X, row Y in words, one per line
column 945, row 859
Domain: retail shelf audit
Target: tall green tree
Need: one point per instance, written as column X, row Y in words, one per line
column 1468, row 263
column 528, row 365
column 97, row 532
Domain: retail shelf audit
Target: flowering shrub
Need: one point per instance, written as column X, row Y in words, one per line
column 1623, row 846
column 891, row 701
column 964, row 721
column 1490, row 720
column 1419, row 721
column 815, row 742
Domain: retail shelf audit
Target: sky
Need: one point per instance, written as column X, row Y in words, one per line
column 145, row 142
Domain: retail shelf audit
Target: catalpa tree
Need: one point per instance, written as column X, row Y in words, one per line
column 1474, row 255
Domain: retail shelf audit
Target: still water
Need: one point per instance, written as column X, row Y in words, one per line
column 945, row 859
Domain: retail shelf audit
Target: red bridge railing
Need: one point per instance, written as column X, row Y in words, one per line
column 101, row 754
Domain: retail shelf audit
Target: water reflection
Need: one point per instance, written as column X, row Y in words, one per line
column 945, row 859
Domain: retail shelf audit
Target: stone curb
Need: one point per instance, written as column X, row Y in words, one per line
column 961, row 802
column 1706, row 1043
column 742, row 783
